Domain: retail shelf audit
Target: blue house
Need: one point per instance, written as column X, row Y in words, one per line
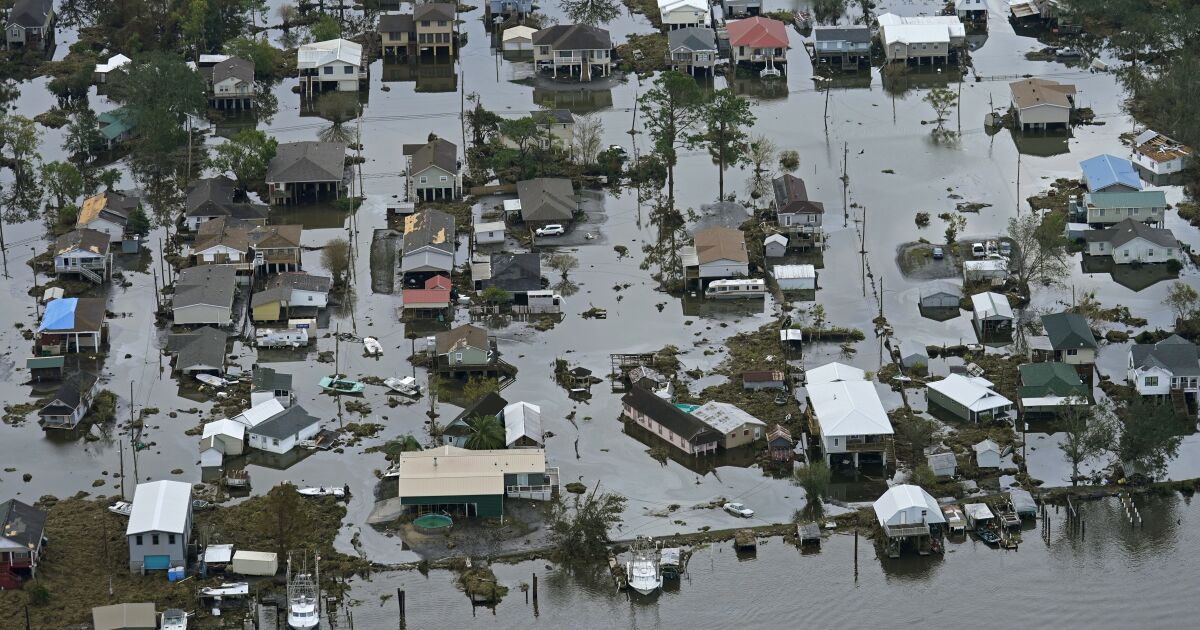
column 510, row 7
column 1109, row 173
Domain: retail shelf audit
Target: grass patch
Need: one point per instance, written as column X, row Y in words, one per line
column 644, row 54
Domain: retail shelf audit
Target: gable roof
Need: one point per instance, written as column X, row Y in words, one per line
column 301, row 281
column 396, row 23
column 791, row 196
column 275, row 236
column 721, row 243
column 1128, row 230
column 1159, row 147
column 202, row 347
column 1127, row 199
column 223, row 232
column 1068, row 331
column 547, row 199
column 317, row 54
column 1032, row 92
column 518, row 32
column 987, row 305
column 434, row 11
column 832, row 373
column 850, row 34
column 973, row 393
column 466, row 335
column 233, row 68
column 259, row 413
column 848, row 408
column 82, row 239
column 284, row 425
column 491, row 404
column 217, row 190
column 516, row 273
column 30, row 13
column 429, row 228
column 211, row 285
column 1173, row 354
column 724, row 417
column 21, row 524
column 573, row 37
column 692, row 38
column 679, row 422
column 1050, row 379
column 757, row 32
column 522, row 419
column 1106, row 170
column 160, row 506
column 108, row 205
column 267, row 379
column 307, row 161
column 65, row 315
column 438, row 152
column 69, row 395
column 890, row 508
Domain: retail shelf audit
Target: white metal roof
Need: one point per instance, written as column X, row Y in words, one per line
column 160, row 506
column 670, row 5
column 452, row 471
column 317, row 54
column 224, row 427
column 915, row 34
column 900, row 504
column 978, row 511
column 114, row 62
column 848, row 408
column 990, row 264
column 256, row 556
column 954, row 26
column 259, row 413
column 985, row 446
column 512, row 205
column 491, row 226
column 791, row 334
column 724, row 417
column 518, row 32
column 972, row 393
column 794, row 271
column 834, row 372
column 522, row 419
column 213, row 59
column 988, row 305
column 776, row 238
column 218, row 554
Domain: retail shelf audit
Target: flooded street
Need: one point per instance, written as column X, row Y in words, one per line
column 895, row 168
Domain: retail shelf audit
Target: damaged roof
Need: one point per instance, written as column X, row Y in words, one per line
column 463, row 336
column 429, row 228
column 22, row 524
column 82, row 239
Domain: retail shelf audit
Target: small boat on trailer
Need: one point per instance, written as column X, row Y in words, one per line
column 736, row 289
column 121, row 508
column 322, row 491
column 340, row 385
column 407, row 385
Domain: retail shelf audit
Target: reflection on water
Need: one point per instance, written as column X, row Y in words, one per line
column 580, row 101
column 314, row 216
column 428, row 75
column 1042, row 144
column 898, row 79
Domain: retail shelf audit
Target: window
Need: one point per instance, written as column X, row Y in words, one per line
column 138, row 540
column 275, row 441
column 1072, row 352
column 441, row 22
column 835, row 441
column 328, row 69
column 424, row 179
column 170, row 539
column 153, row 539
column 1125, row 253
column 425, row 23
column 745, row 431
column 310, row 298
column 443, row 178
column 348, row 69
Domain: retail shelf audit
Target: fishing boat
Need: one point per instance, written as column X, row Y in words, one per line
column 121, row 508
column 407, row 385
column 302, row 612
column 988, row 536
column 173, row 619
column 736, row 289
column 322, row 491
column 372, row 347
column 211, row 381
column 340, row 385
column 643, row 572
column 672, row 563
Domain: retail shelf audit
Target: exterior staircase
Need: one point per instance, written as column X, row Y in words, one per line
column 91, row 275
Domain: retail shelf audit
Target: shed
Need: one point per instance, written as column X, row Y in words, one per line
column 489, row 233
column 518, row 39
column 1023, row 503
column 834, row 372
column 775, row 246
column 795, row 277
column 993, row 270
column 523, row 425
column 943, row 464
column 125, row 617
column 968, row 398
column 987, row 454
column 907, row 510
column 977, row 513
column 218, row 554
column 993, row 315
column 763, row 379
column 255, row 562
column 940, row 295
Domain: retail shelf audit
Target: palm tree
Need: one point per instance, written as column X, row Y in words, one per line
column 487, row 432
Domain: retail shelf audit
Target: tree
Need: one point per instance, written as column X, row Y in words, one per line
column 336, row 258
column 158, row 91
column 818, row 315
column 338, row 108
column 1038, row 254
column 139, row 223
column 82, row 139
column 522, row 132
column 265, row 57
column 671, row 110
column 63, row 181
column 477, row 387
column 943, row 101
column 246, row 155
column 1088, row 432
column 789, row 161
column 562, row 263
column 1150, row 436
column 918, row 432
column 591, row 12
column 495, row 295
column 580, row 530
column 955, row 224
column 486, row 433
column 482, row 123
column 923, row 476
column 814, row 479
column 828, row 11
column 19, row 140
column 325, row 28
column 727, row 116
column 1182, row 299
column 761, row 156
column 586, row 139
column 282, row 518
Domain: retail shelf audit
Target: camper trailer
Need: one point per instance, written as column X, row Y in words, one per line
column 281, row 337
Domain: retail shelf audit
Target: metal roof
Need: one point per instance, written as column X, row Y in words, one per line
column 1050, row 379
column 259, row 413
column 832, row 373
column 724, row 417
column 1104, row 171
column 848, row 408
column 1128, row 199
column 317, row 54
column 794, row 271
column 448, row 471
column 988, row 305
column 522, row 419
column 160, row 506
column 973, row 393
column 898, row 504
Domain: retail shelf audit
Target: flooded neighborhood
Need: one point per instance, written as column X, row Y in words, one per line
column 648, row 314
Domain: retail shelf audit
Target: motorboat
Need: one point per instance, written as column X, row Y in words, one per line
column 211, row 381
column 173, row 619
column 302, row 593
column 340, row 385
column 372, row 347
column 642, row 572
column 407, row 385
column 121, row 508
column 322, row 491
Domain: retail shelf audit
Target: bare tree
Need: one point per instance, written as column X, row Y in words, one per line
column 762, row 160
column 1039, row 249
column 585, row 140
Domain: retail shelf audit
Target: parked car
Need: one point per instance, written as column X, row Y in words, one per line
column 977, row 250
column 553, row 229
column 938, row 254
column 1005, row 249
column 737, row 509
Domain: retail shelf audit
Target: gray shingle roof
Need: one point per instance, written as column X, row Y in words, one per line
column 516, row 272
column 268, row 379
column 1129, row 229
column 434, row 11
column 546, row 199
column 233, row 67
column 30, row 13
column 396, row 23
column 438, row 152
column 1175, row 354
column 791, row 196
column 852, row 34
column 308, row 162
column 283, row 425
column 431, row 228
column 21, row 524
column 84, row 239
column 692, row 38
column 212, row 285
column 573, row 37
column 203, row 347
column 70, row 393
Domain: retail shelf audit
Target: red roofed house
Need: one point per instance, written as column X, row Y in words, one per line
column 757, row 40
column 430, row 302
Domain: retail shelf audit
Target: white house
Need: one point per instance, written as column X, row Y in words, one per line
column 489, row 233
column 993, row 270
column 683, row 13
column 518, row 39
column 523, row 425
column 851, row 419
column 333, row 64
column 833, row 373
column 281, row 433
column 100, row 74
column 924, row 39
column 968, row 398
column 907, row 510
column 83, row 252
column 160, row 526
column 992, row 314
column 1160, row 154
column 1155, row 369
column 1042, row 103
column 1132, row 241
column 987, row 454
column 795, row 277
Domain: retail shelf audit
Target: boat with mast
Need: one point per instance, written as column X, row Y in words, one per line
column 303, row 593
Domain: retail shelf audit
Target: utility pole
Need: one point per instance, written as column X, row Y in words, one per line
column 845, row 185
column 1018, row 182
column 133, row 437
column 3, row 247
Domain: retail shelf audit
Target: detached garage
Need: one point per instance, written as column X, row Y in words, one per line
column 795, row 277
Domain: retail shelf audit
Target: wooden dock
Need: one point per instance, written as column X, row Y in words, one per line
column 808, row 534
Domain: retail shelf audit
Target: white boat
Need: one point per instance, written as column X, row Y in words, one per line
column 372, row 347
column 322, row 491
column 173, row 619
column 211, row 381
column 121, row 508
column 302, row 594
column 643, row 572
column 736, row 289
column 227, row 589
column 407, row 385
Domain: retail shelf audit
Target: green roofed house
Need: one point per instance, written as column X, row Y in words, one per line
column 1072, row 342
column 469, row 483
column 116, row 126
column 1107, row 208
column 1048, row 387
column 45, row 368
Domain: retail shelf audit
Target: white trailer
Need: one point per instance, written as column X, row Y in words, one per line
column 281, row 337
column 255, row 563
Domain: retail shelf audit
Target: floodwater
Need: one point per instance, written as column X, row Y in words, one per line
column 877, row 128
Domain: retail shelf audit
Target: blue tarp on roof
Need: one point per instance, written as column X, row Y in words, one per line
column 1107, row 170
column 59, row 315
